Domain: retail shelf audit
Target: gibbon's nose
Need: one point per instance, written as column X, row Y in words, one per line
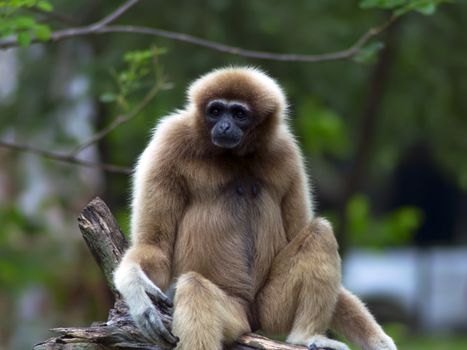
column 224, row 126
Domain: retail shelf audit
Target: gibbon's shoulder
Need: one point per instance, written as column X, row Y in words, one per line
column 284, row 143
column 172, row 133
column 168, row 141
column 286, row 155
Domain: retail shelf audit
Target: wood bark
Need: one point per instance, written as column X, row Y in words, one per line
column 107, row 244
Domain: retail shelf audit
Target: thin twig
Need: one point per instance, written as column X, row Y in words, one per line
column 72, row 156
column 78, row 31
column 102, row 27
column 64, row 157
column 119, row 120
column 332, row 56
column 112, row 17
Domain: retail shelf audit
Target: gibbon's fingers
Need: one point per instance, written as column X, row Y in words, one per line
column 314, row 347
column 154, row 291
column 159, row 297
column 153, row 328
column 145, row 326
column 321, row 342
column 159, row 328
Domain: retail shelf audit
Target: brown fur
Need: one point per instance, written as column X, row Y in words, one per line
column 235, row 229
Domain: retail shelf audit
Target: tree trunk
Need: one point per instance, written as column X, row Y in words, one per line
column 107, row 244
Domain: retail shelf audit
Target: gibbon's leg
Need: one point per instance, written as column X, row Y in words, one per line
column 205, row 317
column 353, row 320
column 301, row 292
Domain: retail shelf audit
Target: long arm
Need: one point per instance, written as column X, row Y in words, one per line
column 158, row 203
column 296, row 206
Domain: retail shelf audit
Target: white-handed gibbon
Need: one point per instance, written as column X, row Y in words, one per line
column 222, row 211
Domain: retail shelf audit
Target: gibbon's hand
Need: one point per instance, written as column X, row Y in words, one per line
column 140, row 293
column 149, row 319
column 322, row 342
column 150, row 324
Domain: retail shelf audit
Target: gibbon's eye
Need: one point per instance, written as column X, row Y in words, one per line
column 215, row 110
column 239, row 113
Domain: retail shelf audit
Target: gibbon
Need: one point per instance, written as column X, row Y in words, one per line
column 222, row 216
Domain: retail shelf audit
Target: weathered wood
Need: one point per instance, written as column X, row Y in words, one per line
column 103, row 236
column 107, row 244
column 255, row 341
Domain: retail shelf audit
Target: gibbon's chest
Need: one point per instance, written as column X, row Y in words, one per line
column 244, row 189
column 229, row 181
column 231, row 230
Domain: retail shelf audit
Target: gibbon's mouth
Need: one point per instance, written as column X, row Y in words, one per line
column 226, row 142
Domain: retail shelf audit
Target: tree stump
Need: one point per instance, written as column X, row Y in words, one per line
column 107, row 244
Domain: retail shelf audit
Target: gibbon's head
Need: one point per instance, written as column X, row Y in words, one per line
column 235, row 107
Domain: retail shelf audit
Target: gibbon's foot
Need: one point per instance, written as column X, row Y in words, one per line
column 384, row 342
column 318, row 342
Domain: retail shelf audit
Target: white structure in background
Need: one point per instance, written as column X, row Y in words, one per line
column 429, row 286
column 8, row 73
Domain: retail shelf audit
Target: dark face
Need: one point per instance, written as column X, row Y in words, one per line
column 229, row 121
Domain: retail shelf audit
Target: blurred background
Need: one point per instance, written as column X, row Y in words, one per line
column 384, row 132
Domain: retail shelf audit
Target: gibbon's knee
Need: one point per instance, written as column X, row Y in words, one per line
column 317, row 242
column 204, row 316
column 303, row 285
column 322, row 235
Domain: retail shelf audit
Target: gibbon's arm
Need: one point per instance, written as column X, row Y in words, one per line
column 296, row 206
column 158, row 203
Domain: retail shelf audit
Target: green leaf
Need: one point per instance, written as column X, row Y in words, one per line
column 6, row 32
column 427, row 10
column 43, row 32
column 425, row 7
column 108, row 97
column 384, row 4
column 358, row 210
column 401, row 7
column 161, row 50
column 24, row 22
column 24, row 39
column 45, row 6
column 322, row 129
column 138, row 56
column 367, row 54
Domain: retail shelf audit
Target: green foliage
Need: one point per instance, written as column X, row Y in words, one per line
column 321, row 129
column 405, row 339
column 368, row 53
column 394, row 228
column 142, row 70
column 17, row 266
column 400, row 7
column 14, row 21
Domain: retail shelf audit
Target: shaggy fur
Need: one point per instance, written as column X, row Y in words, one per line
column 235, row 230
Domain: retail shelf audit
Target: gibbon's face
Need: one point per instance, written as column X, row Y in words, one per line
column 228, row 120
